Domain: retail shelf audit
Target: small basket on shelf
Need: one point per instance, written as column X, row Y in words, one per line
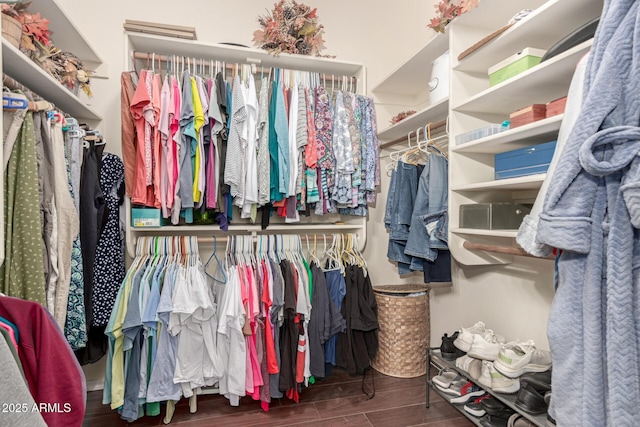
column 11, row 30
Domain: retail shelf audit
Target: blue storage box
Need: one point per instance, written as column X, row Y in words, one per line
column 524, row 161
column 147, row 217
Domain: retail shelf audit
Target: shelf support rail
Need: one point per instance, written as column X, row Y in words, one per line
column 508, row 250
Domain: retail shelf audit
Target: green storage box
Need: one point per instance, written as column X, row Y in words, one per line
column 147, row 217
column 514, row 65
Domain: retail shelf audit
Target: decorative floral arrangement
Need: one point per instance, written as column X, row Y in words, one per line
column 71, row 72
column 401, row 116
column 448, row 10
column 290, row 27
column 36, row 43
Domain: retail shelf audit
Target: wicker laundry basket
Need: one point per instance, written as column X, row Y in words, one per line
column 404, row 330
column 11, row 30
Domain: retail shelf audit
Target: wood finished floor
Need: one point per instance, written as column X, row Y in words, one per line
column 336, row 402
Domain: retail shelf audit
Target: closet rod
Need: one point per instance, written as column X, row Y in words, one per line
column 229, row 66
column 434, row 126
column 501, row 249
column 319, row 237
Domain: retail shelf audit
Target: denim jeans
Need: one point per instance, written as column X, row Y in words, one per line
column 401, row 198
column 428, row 229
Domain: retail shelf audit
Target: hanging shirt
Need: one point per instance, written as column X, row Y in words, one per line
column 140, row 108
column 274, row 156
column 161, row 385
column 75, row 327
column 234, row 172
column 109, row 265
column 188, row 145
column 166, row 155
column 156, row 102
column 231, row 344
column 128, row 138
column 251, row 181
column 342, row 146
column 293, row 132
column 179, row 148
column 263, row 144
column 282, row 134
column 22, row 273
column 196, row 143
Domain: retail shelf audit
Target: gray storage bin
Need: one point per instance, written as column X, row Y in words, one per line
column 493, row 216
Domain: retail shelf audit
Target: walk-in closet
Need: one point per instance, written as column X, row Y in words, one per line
column 284, row 212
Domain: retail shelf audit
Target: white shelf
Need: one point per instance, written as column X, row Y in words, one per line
column 541, row 29
column 413, row 75
column 25, row 71
column 530, row 182
column 541, row 131
column 492, row 233
column 543, row 83
column 65, row 34
column 211, row 51
column 429, row 114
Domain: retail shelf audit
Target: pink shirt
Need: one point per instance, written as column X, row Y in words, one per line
column 140, row 105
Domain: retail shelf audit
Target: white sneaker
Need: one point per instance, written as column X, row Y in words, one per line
column 486, row 346
column 516, row 358
column 465, row 336
column 502, row 384
column 469, row 365
column 485, row 376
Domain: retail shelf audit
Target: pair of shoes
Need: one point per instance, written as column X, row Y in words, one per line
column 517, row 358
column 531, row 399
column 467, row 393
column 448, row 350
column 445, row 379
column 475, row 408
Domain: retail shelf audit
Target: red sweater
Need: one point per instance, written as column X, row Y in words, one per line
column 55, row 378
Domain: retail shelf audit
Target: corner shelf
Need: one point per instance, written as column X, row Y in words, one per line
column 17, row 65
column 431, row 113
column 509, row 400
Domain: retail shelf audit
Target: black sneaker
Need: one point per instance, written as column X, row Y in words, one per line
column 447, row 349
